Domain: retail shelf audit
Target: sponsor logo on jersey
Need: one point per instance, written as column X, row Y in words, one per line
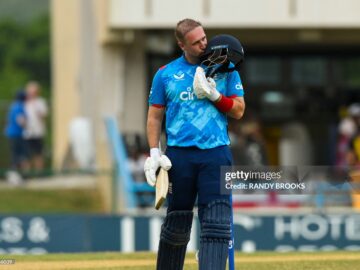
column 238, row 86
column 187, row 95
column 179, row 76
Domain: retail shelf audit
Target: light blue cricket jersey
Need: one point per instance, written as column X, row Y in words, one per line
column 191, row 121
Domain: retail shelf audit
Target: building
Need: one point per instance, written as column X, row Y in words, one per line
column 302, row 64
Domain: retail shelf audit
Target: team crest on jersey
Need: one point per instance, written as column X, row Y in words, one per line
column 179, row 76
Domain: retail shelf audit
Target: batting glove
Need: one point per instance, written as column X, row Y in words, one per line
column 153, row 163
column 204, row 87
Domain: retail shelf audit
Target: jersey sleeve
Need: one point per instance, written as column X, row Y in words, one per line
column 157, row 92
column 234, row 86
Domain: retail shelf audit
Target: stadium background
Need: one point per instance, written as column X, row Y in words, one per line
column 301, row 72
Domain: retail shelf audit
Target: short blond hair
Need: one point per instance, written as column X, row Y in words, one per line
column 185, row 26
column 33, row 84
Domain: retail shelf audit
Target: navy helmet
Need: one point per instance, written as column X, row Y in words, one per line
column 224, row 53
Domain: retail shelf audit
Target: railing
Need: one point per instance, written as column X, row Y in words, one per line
column 124, row 183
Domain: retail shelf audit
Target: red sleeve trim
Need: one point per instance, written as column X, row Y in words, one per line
column 232, row 96
column 158, row 106
column 164, row 66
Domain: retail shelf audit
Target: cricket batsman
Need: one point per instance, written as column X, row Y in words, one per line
column 196, row 92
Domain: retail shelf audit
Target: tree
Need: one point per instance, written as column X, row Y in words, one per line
column 24, row 55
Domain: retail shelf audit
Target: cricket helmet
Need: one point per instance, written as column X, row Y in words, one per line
column 224, row 53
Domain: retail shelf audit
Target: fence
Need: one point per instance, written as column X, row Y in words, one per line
column 127, row 233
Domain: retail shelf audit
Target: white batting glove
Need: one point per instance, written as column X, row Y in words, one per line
column 204, row 87
column 152, row 164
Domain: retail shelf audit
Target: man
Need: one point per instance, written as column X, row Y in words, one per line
column 16, row 120
column 197, row 141
column 36, row 112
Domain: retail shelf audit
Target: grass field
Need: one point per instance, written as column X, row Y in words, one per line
column 50, row 201
column 146, row 261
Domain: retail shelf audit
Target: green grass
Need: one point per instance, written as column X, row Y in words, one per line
column 85, row 256
column 17, row 201
column 320, row 265
column 144, row 261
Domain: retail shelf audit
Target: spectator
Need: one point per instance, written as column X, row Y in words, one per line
column 136, row 163
column 255, row 144
column 36, row 112
column 353, row 154
column 14, row 129
column 346, row 131
column 238, row 144
column 248, row 144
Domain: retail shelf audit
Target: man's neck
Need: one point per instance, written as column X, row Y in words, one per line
column 191, row 60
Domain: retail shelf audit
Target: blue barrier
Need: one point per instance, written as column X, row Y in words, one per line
column 35, row 234
column 126, row 186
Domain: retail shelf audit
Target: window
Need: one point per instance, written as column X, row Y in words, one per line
column 350, row 72
column 308, row 71
column 263, row 70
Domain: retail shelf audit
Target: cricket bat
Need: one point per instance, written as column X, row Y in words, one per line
column 161, row 188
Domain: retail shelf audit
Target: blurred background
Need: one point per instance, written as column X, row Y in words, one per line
column 93, row 61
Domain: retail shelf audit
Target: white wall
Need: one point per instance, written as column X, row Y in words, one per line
column 235, row 13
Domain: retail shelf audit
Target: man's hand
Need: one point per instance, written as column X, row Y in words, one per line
column 152, row 164
column 204, row 87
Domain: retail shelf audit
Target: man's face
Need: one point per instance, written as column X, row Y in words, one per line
column 194, row 42
column 32, row 91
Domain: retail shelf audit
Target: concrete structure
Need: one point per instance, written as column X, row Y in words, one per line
column 106, row 51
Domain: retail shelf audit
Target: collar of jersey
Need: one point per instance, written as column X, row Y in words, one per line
column 183, row 59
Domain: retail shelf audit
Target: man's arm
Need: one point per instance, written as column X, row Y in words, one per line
column 156, row 159
column 238, row 108
column 154, row 121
